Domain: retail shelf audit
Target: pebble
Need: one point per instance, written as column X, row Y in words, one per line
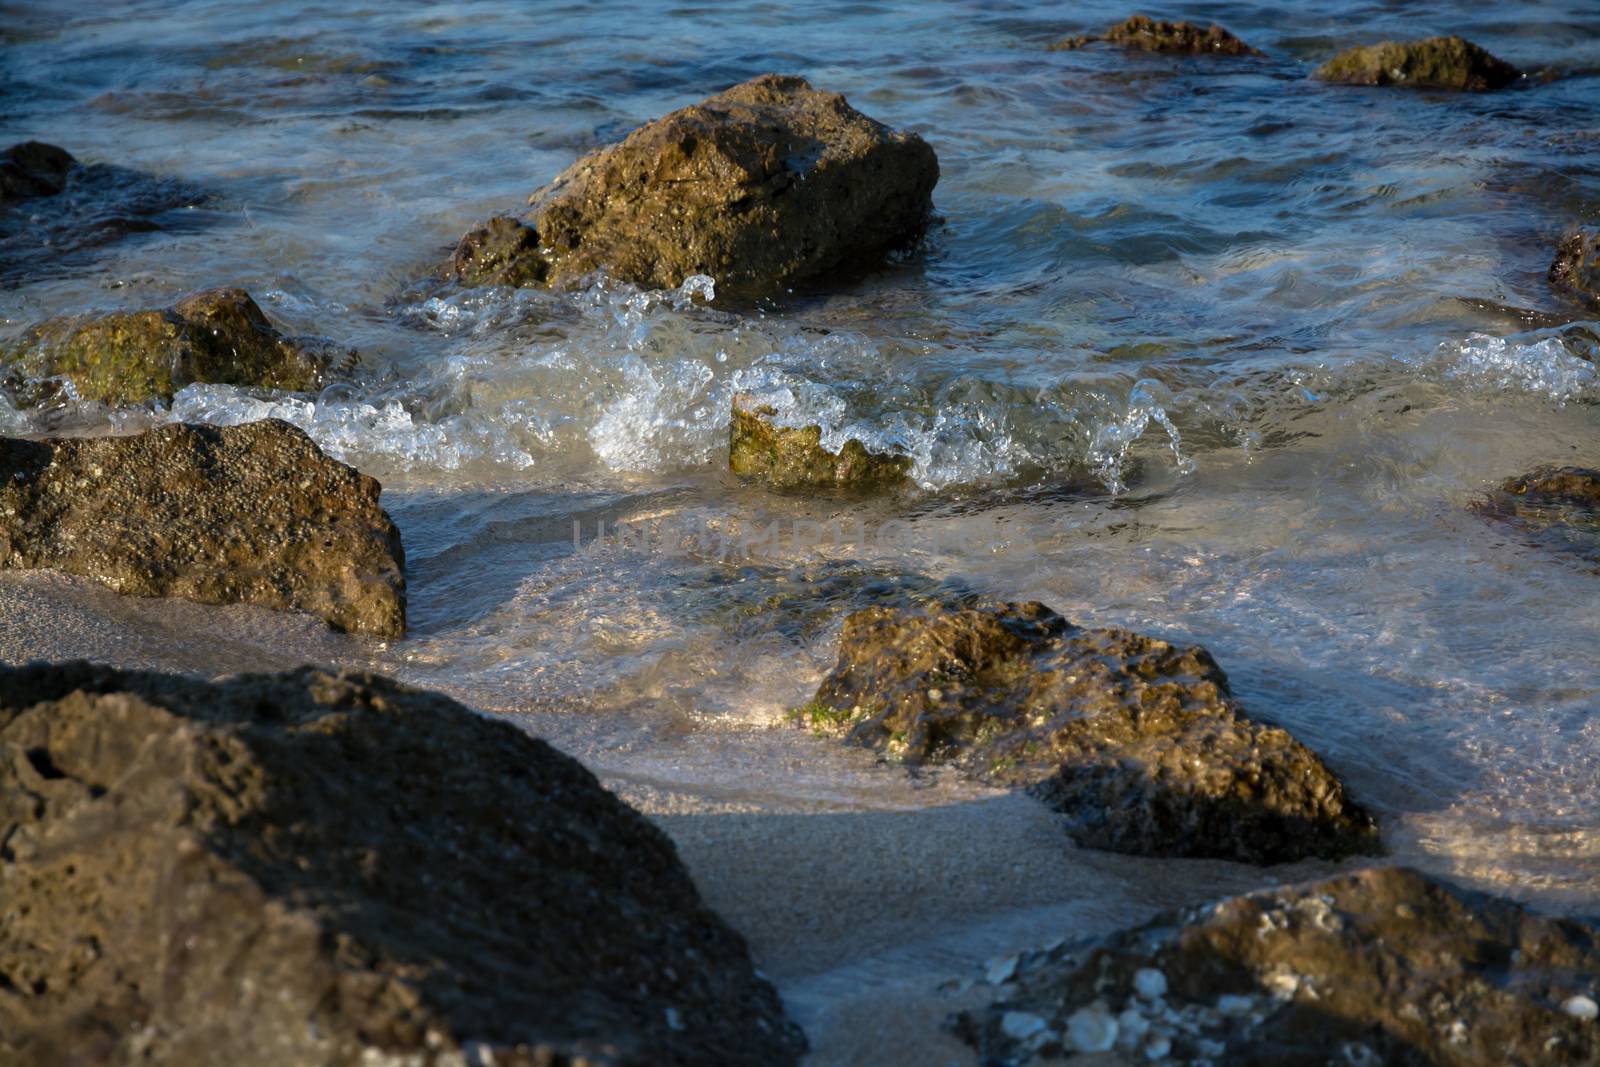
column 1001, row 969
column 1235, row 1005
column 1150, row 983
column 1021, row 1025
column 1091, row 1030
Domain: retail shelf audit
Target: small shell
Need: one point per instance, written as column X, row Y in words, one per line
column 1581, row 1007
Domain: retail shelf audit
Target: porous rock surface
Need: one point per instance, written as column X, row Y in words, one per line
column 129, row 357
column 1449, row 63
column 792, row 458
column 1139, row 742
column 761, row 186
column 241, row 514
column 1385, row 966
column 309, row 868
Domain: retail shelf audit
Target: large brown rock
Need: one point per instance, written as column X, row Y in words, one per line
column 1378, row 967
column 792, row 458
column 307, row 868
column 766, row 184
column 1145, row 34
column 1137, row 741
column 33, row 168
column 1449, row 63
column 1576, row 268
column 245, row 514
column 129, row 357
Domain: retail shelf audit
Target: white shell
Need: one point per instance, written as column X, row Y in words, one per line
column 1581, row 1007
column 1020, row 1025
column 1149, row 983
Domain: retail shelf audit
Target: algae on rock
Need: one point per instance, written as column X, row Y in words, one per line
column 1137, row 741
column 793, row 458
column 1576, row 268
column 1449, row 63
column 1175, row 38
column 761, row 186
column 130, row 357
column 251, row 514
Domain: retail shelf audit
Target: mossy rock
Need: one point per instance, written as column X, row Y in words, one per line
column 1380, row 966
column 761, row 186
column 1449, row 63
column 1576, row 268
column 1557, row 508
column 32, row 169
column 131, row 357
column 793, row 459
column 1137, row 741
column 1174, row 38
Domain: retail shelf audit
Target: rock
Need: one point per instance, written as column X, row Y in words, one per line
column 33, row 168
column 250, row 514
column 761, row 186
column 1177, row 38
column 1382, row 966
column 308, row 868
column 1137, row 741
column 1576, row 269
column 1450, row 63
column 1558, row 507
column 130, row 357
column 787, row 458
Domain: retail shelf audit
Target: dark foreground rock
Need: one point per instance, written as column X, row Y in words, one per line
column 787, row 458
column 129, row 357
column 33, row 168
column 1379, row 967
column 1175, row 38
column 244, row 514
column 1576, row 268
column 305, row 868
column 1450, row 63
column 764, row 185
column 1137, row 741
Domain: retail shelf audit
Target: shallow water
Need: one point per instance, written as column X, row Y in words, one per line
column 1198, row 346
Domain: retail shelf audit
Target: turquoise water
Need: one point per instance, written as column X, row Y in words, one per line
column 1197, row 346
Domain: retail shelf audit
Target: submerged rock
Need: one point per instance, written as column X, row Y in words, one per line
column 308, row 868
column 761, row 186
column 1137, row 741
column 1152, row 35
column 129, row 357
column 250, row 514
column 1451, row 63
column 1557, row 507
column 33, row 168
column 1576, row 268
column 1383, row 966
column 788, row 458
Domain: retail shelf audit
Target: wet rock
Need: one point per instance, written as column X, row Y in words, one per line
column 1558, row 508
column 1137, row 741
column 788, row 458
column 764, row 185
column 1383, row 966
column 1576, row 269
column 129, row 357
column 1153, row 35
column 251, row 514
column 1450, row 63
column 33, row 168
column 308, row 868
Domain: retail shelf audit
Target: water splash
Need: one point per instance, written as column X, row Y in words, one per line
column 1148, row 402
